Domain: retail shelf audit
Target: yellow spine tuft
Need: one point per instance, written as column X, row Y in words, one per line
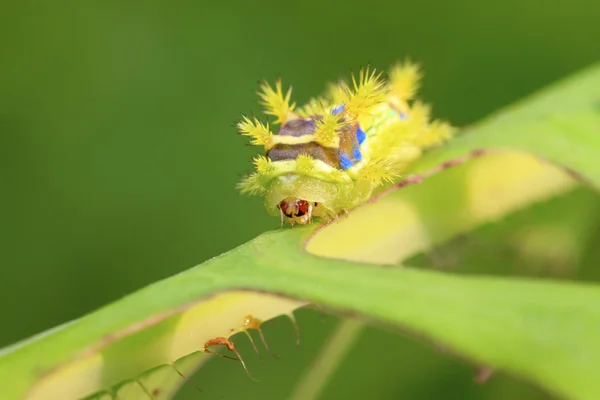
column 251, row 185
column 404, row 80
column 275, row 102
column 260, row 134
column 436, row 133
column 263, row 165
column 365, row 93
column 305, row 164
column 417, row 121
column 337, row 175
column 315, row 106
column 379, row 171
column 327, row 130
column 336, row 92
column 419, row 115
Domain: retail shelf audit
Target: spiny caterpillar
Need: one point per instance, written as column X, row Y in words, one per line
column 329, row 155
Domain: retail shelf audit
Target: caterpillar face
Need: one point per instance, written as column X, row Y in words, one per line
column 329, row 155
column 297, row 210
column 299, row 198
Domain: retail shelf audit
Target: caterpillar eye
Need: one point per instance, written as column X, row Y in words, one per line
column 302, row 207
column 283, row 206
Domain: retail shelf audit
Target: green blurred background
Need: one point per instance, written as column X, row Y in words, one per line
column 118, row 155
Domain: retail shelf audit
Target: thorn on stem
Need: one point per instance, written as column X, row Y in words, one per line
column 262, row 337
column 252, row 341
column 251, row 322
column 296, row 328
column 183, row 377
column 150, row 395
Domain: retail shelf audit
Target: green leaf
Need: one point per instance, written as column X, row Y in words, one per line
column 544, row 331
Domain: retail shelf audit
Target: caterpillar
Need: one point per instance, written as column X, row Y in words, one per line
column 329, row 155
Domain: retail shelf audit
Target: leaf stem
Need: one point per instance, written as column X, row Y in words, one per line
column 313, row 382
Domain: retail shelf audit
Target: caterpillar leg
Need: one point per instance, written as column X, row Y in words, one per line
column 337, row 217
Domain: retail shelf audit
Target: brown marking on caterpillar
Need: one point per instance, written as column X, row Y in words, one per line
column 231, row 347
column 251, row 322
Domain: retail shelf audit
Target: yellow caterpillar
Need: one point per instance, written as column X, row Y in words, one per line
column 329, row 155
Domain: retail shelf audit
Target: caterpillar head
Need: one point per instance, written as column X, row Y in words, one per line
column 300, row 198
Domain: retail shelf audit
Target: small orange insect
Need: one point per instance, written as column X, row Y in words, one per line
column 231, row 347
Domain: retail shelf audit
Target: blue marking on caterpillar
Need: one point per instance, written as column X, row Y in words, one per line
column 361, row 136
column 345, row 162
column 356, row 154
column 337, row 110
